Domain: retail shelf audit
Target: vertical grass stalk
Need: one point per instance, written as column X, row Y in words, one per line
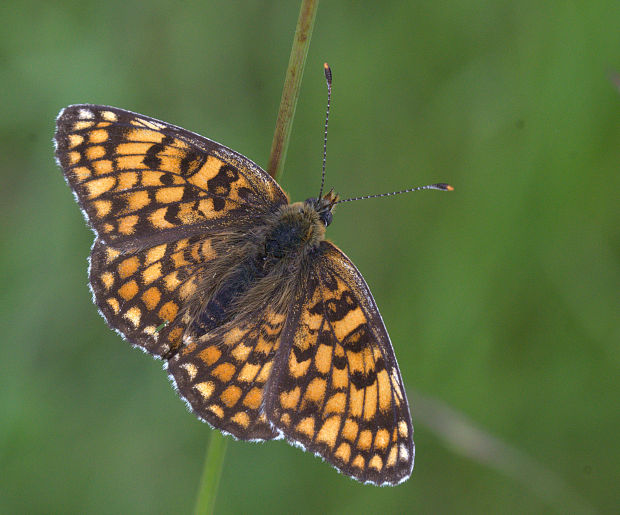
column 211, row 473
column 216, row 449
column 292, row 84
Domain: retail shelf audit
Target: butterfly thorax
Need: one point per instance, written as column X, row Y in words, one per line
column 266, row 266
column 296, row 228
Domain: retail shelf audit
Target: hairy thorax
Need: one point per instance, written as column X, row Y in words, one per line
column 263, row 266
column 294, row 229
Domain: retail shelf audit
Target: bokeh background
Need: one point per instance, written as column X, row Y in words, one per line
column 502, row 298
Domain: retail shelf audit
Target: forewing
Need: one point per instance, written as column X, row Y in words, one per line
column 336, row 388
column 222, row 375
column 139, row 178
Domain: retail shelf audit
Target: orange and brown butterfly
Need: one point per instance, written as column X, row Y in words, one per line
column 267, row 329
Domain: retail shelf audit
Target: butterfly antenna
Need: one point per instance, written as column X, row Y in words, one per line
column 442, row 186
column 328, row 78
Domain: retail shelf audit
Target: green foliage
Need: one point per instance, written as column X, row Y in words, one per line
column 501, row 298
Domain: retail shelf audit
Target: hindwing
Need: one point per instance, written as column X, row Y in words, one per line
column 143, row 293
column 222, row 375
column 337, row 389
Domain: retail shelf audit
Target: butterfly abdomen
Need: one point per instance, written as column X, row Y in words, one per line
column 218, row 308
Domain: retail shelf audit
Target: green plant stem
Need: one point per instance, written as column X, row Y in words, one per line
column 292, row 84
column 214, row 460
column 216, row 448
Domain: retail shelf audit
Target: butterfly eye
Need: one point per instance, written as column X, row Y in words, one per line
column 323, row 209
column 326, row 217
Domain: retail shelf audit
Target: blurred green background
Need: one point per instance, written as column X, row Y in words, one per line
column 502, row 298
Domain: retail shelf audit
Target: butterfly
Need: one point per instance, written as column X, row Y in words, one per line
column 267, row 330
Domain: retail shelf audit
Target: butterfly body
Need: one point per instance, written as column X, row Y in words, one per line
column 267, row 329
column 275, row 250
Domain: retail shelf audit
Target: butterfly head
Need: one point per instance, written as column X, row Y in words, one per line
column 324, row 205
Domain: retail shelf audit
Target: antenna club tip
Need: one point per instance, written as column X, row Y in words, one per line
column 442, row 186
column 328, row 73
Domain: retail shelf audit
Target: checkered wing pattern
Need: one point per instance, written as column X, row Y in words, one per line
column 138, row 178
column 304, row 354
column 158, row 198
column 337, row 389
column 143, row 293
column 222, row 376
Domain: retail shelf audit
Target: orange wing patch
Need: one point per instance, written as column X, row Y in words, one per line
column 339, row 391
column 223, row 375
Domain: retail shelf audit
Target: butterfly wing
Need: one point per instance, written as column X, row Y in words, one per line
column 142, row 293
column 137, row 178
column 336, row 387
column 222, row 375
column 161, row 201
